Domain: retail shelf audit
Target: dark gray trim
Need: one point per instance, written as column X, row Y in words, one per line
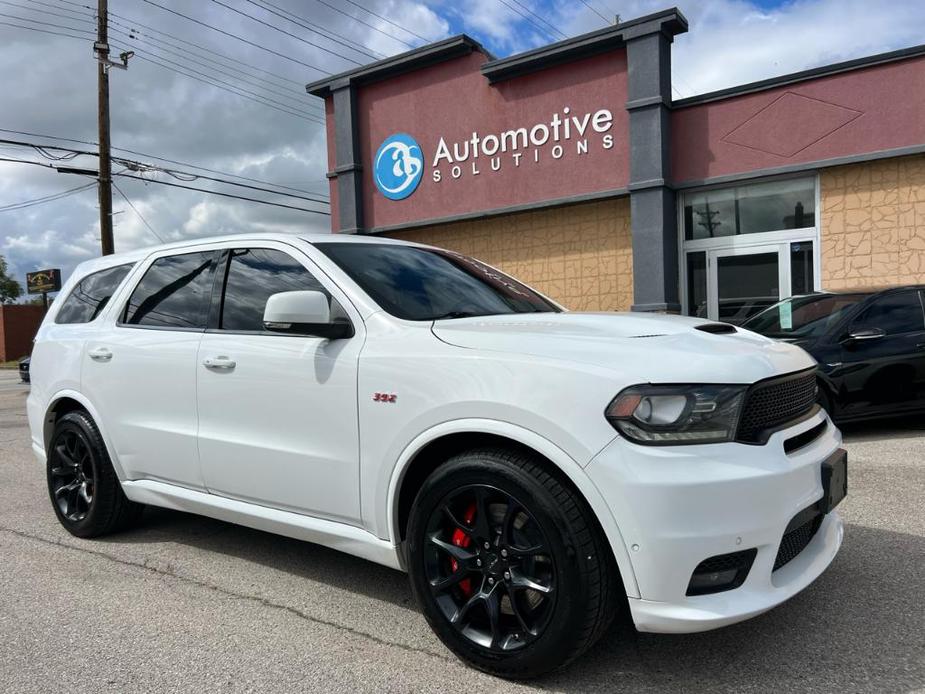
column 653, row 215
column 815, row 73
column 660, row 308
column 670, row 22
column 800, row 168
column 511, row 209
column 347, row 169
column 415, row 59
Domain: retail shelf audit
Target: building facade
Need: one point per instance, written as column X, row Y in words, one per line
column 572, row 168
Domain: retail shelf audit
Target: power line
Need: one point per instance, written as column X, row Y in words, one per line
column 324, row 31
column 140, row 216
column 387, row 20
column 235, row 36
column 523, row 16
column 541, row 18
column 583, row 2
column 45, row 198
column 226, row 195
column 141, row 167
column 247, row 79
column 357, row 19
column 151, row 156
column 131, row 33
column 287, row 33
column 45, row 31
column 173, row 185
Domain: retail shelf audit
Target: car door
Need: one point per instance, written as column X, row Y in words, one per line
column 140, row 370
column 883, row 356
column 278, row 422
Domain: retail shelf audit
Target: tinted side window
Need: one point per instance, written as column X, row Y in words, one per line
column 174, row 293
column 894, row 314
column 87, row 300
column 253, row 275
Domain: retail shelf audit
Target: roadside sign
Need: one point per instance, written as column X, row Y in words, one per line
column 43, row 281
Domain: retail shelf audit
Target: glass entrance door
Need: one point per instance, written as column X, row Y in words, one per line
column 745, row 281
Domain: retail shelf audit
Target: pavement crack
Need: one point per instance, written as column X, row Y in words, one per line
column 150, row 567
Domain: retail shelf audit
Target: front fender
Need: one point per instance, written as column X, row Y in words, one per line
column 541, row 445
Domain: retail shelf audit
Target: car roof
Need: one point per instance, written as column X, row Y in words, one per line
column 865, row 291
column 101, row 263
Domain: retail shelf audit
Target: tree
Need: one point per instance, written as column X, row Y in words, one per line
column 10, row 289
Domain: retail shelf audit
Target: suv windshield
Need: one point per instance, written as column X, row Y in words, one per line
column 802, row 317
column 428, row 284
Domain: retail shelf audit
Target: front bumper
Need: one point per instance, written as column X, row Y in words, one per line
column 678, row 505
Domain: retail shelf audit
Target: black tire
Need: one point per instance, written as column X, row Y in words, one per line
column 580, row 573
column 82, row 485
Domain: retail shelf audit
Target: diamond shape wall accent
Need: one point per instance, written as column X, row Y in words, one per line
column 790, row 124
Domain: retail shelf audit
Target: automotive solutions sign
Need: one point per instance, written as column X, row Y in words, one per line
column 398, row 167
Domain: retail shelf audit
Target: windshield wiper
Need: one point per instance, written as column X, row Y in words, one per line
column 457, row 314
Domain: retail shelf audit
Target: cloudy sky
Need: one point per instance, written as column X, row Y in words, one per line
column 242, row 110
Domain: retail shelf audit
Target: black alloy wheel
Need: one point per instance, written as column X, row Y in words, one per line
column 489, row 569
column 509, row 564
column 85, row 492
column 73, row 478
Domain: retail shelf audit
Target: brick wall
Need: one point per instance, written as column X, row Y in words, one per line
column 873, row 223
column 18, row 325
column 580, row 255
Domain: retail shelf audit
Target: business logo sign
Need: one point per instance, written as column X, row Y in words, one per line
column 398, row 166
column 43, row 281
column 564, row 134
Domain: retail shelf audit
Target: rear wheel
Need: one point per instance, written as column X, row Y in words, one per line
column 508, row 564
column 85, row 492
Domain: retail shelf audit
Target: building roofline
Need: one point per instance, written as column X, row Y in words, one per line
column 670, row 21
column 415, row 59
column 803, row 75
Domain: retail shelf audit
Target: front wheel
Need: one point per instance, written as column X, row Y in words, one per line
column 508, row 564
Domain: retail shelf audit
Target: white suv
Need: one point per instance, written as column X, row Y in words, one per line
column 535, row 471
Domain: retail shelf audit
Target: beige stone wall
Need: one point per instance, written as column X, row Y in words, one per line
column 580, row 255
column 873, row 223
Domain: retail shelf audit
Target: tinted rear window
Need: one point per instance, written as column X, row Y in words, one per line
column 174, row 293
column 91, row 295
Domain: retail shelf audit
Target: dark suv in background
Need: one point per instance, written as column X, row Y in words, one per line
column 870, row 345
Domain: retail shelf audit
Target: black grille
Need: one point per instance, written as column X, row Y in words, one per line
column 795, row 540
column 771, row 403
column 807, row 437
column 740, row 561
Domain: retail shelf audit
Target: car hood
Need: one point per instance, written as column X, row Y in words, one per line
column 647, row 347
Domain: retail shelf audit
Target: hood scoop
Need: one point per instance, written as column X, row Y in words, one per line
column 716, row 328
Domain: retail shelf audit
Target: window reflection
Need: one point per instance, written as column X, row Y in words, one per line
column 424, row 284
column 254, row 274
column 750, row 209
column 91, row 295
column 173, row 293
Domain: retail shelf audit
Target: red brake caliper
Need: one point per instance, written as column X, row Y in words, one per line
column 460, row 539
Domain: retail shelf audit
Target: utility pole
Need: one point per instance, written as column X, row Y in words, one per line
column 101, row 48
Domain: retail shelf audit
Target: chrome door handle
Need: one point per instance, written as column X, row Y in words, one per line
column 218, row 363
column 100, row 354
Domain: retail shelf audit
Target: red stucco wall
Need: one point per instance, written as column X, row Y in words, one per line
column 453, row 99
column 18, row 325
column 852, row 113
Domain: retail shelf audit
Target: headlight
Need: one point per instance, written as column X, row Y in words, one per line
column 671, row 415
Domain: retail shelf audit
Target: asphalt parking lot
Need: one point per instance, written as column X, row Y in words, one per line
column 190, row 604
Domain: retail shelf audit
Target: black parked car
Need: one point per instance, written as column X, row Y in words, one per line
column 24, row 369
column 870, row 345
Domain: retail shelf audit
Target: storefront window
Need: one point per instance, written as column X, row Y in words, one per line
column 750, row 209
column 697, row 284
column 801, row 268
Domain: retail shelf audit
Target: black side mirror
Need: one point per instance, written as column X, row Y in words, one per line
column 866, row 335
